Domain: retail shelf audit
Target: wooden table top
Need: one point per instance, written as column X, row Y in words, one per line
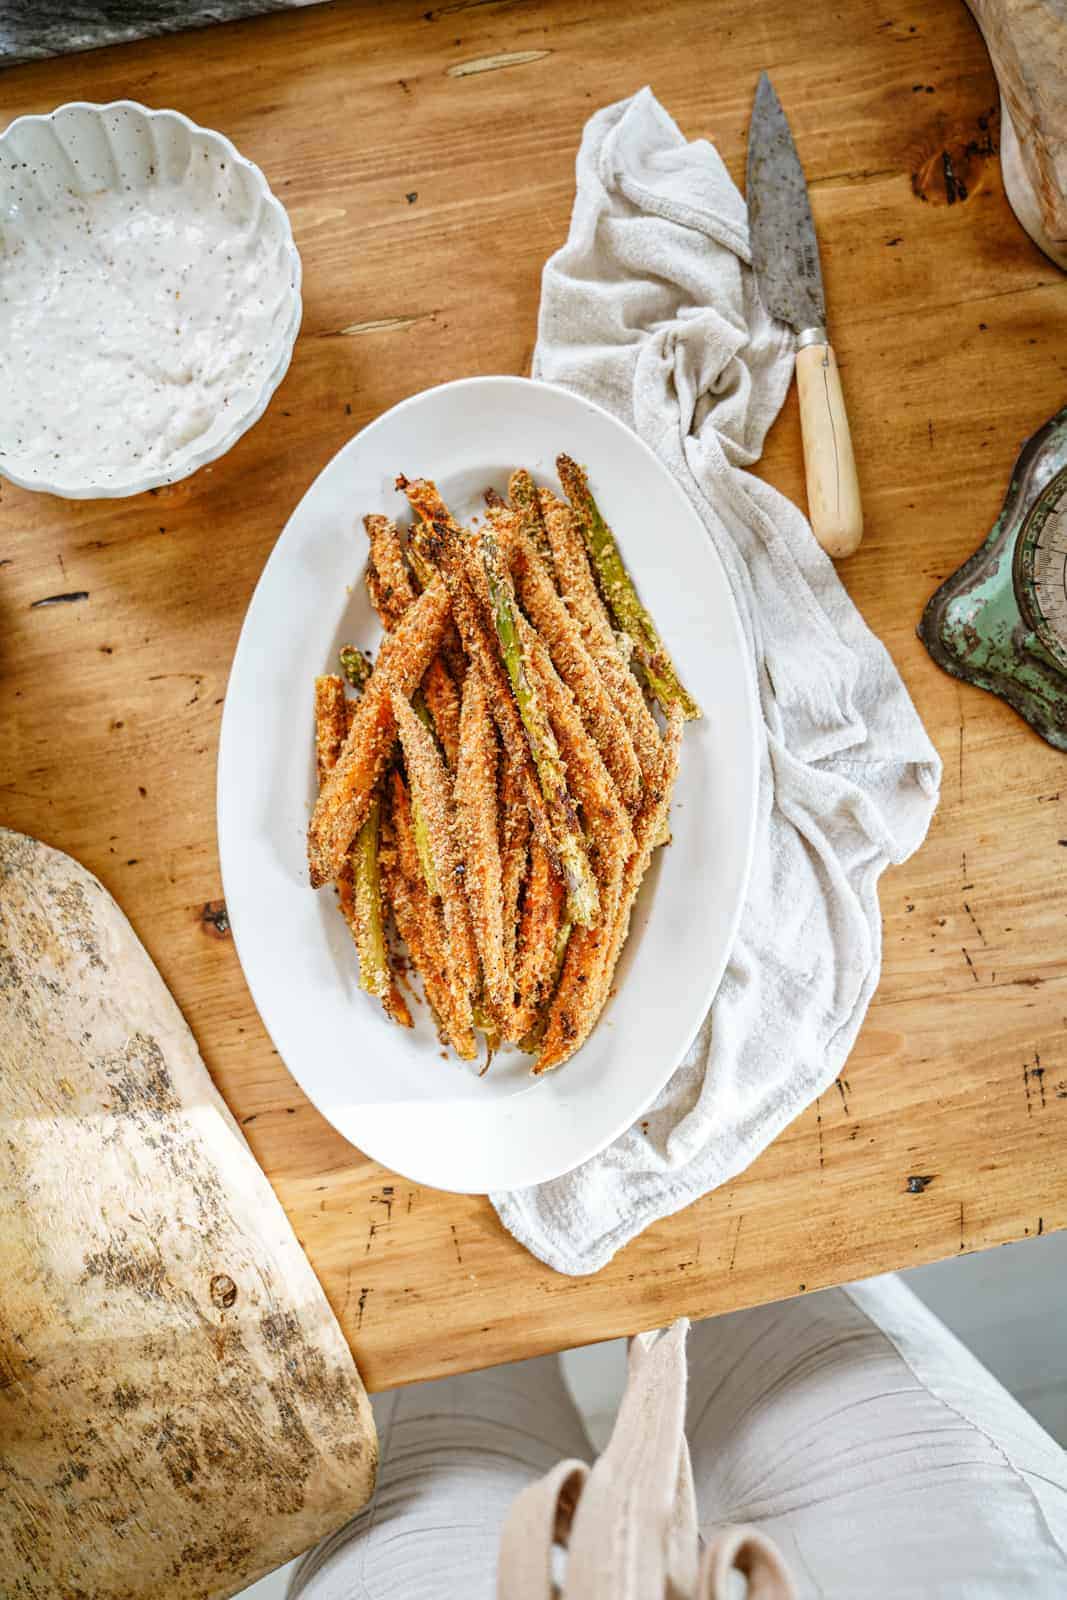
column 426, row 157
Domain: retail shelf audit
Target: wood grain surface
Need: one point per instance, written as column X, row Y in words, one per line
column 426, row 157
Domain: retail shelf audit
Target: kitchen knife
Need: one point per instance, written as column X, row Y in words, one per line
column 785, row 258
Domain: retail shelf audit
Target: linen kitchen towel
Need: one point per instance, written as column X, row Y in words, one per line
column 651, row 309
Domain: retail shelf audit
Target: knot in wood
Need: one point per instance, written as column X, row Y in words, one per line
column 223, row 1291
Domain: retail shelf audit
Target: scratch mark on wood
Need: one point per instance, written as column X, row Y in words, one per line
column 974, row 921
column 1026, row 1087
column 737, row 1235
column 455, row 1241
column 818, row 1127
column 844, row 1089
column 60, row 599
column 371, row 1231
column 970, row 963
column 1037, row 1071
column 348, row 1291
column 464, row 5
column 961, row 1225
column 1040, row 1226
column 382, row 325
column 513, row 58
column 361, row 1306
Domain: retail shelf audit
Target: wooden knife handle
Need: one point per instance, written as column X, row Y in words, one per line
column 833, row 490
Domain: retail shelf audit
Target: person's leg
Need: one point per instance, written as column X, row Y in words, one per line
column 454, row 1454
column 879, row 1454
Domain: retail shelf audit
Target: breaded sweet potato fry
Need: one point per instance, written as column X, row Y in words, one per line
column 392, row 593
column 432, row 786
column 592, row 953
column 578, row 588
column 443, row 703
column 346, row 795
column 542, row 916
column 331, row 723
column 572, row 661
column 388, row 579
column 420, row 920
column 514, row 854
column 479, row 835
column 605, row 817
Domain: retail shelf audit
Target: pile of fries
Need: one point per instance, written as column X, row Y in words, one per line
column 500, row 783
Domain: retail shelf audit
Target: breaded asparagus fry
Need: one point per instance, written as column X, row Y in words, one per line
column 514, row 853
column 618, row 590
column 388, row 579
column 358, row 889
column 582, row 898
column 592, row 953
column 542, row 917
column 330, row 722
column 578, row 588
column 346, row 795
column 430, row 782
column 356, row 666
column 562, row 635
column 522, row 492
column 419, row 919
column 476, row 814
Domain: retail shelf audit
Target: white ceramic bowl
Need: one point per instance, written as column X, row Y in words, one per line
column 149, row 298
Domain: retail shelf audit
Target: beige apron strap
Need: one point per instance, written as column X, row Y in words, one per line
column 540, row 1517
column 634, row 1533
column 744, row 1549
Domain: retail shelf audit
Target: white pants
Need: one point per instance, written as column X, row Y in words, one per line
column 850, row 1426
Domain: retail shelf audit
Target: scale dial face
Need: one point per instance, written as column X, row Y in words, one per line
column 1041, row 567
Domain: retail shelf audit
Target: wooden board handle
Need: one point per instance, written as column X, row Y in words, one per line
column 833, row 490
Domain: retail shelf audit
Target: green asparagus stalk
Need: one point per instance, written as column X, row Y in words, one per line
column 522, row 491
column 356, row 666
column 374, row 974
column 618, row 590
column 422, row 568
column 583, row 900
column 418, row 815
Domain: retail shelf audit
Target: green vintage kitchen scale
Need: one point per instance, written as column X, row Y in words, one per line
column 1001, row 620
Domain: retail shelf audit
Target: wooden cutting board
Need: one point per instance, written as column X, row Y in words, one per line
column 179, row 1412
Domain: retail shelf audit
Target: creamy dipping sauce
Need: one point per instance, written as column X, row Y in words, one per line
column 135, row 325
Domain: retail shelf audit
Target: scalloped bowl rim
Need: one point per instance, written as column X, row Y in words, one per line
column 185, row 465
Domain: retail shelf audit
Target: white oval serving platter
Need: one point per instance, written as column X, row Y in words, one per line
column 385, row 1089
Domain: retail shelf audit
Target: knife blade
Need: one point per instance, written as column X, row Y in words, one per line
column 785, row 259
